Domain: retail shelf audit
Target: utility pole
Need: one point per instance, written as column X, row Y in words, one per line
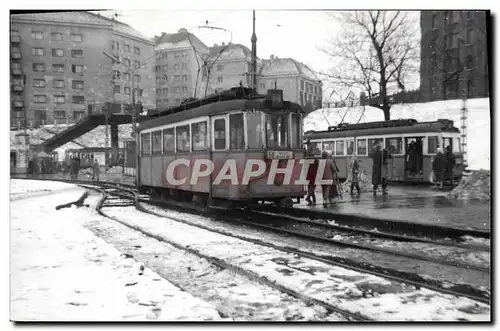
column 254, row 57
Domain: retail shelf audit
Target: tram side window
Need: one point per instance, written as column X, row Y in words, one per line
column 156, row 140
column 199, row 136
column 237, row 130
column 329, row 146
column 296, row 131
column 169, row 140
column 394, row 145
column 314, row 148
column 277, row 130
column 350, row 147
column 183, row 138
column 371, row 143
column 339, row 147
column 432, row 144
column 254, row 130
column 146, row 143
column 220, row 134
column 457, row 148
column 361, row 146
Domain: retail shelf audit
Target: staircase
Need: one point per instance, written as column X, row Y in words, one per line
column 71, row 133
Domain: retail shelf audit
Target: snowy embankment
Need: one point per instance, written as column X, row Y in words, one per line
column 21, row 189
column 369, row 295
column 478, row 121
column 62, row 272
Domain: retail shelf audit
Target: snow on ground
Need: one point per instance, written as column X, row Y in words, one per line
column 366, row 294
column 424, row 269
column 478, row 121
column 62, row 272
column 23, row 189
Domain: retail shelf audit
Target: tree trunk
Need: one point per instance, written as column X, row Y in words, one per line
column 387, row 113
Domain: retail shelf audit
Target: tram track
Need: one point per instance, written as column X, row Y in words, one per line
column 117, row 190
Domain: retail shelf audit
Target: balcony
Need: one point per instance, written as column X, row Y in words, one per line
column 18, row 104
column 15, row 54
column 18, row 88
column 15, row 39
column 16, row 71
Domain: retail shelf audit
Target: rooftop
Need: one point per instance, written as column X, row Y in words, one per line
column 286, row 66
column 180, row 36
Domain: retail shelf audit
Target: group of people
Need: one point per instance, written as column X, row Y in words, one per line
column 442, row 166
column 379, row 175
column 74, row 167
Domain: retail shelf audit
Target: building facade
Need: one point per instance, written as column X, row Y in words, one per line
column 176, row 70
column 298, row 82
column 58, row 67
column 454, row 55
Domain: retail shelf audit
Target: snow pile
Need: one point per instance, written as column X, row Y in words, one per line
column 115, row 170
column 478, row 121
column 26, row 185
column 476, row 186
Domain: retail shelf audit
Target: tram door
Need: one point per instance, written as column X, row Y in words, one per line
column 414, row 165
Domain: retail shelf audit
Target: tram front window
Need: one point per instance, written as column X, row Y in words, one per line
column 277, row 131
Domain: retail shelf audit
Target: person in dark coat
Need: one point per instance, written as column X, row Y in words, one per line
column 439, row 167
column 355, row 176
column 450, row 163
column 334, row 191
column 30, row 167
column 379, row 168
column 96, row 169
column 311, row 177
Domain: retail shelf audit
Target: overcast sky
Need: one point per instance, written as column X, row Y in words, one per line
column 296, row 34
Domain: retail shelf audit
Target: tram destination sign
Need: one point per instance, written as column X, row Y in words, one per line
column 279, row 155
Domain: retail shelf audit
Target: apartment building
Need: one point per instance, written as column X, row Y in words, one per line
column 58, row 67
column 454, row 55
column 176, row 69
column 298, row 82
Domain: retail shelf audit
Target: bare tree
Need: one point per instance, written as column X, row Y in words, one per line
column 376, row 52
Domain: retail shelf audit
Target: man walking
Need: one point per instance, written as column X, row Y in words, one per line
column 379, row 168
column 96, row 170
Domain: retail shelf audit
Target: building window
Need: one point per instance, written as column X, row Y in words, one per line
column 468, row 14
column 165, row 91
column 78, row 99
column 39, row 82
column 126, row 90
column 127, row 48
column 470, row 88
column 177, row 77
column 137, row 78
column 177, row 101
column 176, row 66
column 177, row 89
column 470, row 36
column 77, row 38
column 220, row 67
column 137, row 64
column 17, row 82
column 59, row 115
column 56, row 36
column 40, row 117
column 263, row 86
column 114, row 45
column 220, row 79
column 434, row 21
column 14, row 33
column 456, row 16
column 77, row 53
column 77, row 84
column 78, row 115
column 57, row 52
column 59, row 98
column 184, row 89
column 40, row 98
column 77, row 69
column 455, row 39
column 38, row 51
column 37, row 35
column 116, row 74
column 185, row 78
column 58, row 83
column 116, row 89
column 164, row 68
column 157, row 68
column 16, row 53
column 301, row 94
column 127, row 76
column 184, row 66
column 137, row 51
column 127, row 62
column 302, row 85
column 59, row 68
column 15, row 65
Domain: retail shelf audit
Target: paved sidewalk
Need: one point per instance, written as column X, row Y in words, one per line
column 413, row 205
column 62, row 272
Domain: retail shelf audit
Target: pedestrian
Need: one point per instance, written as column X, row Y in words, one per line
column 311, row 177
column 334, row 192
column 355, row 175
column 439, row 167
column 96, row 169
column 328, row 174
column 30, row 167
column 450, row 164
column 379, row 168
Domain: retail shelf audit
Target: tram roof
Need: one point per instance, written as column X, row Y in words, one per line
column 221, row 107
column 423, row 127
